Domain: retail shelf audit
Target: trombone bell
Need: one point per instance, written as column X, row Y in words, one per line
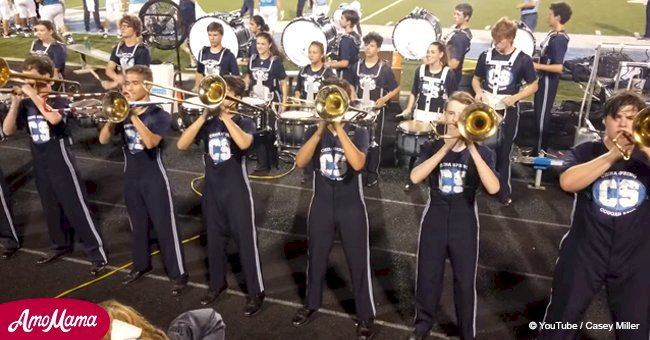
column 115, row 107
column 478, row 122
column 332, row 102
column 212, row 90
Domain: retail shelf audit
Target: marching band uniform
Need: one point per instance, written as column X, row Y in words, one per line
column 126, row 56
column 56, row 51
column 8, row 235
column 349, row 45
column 223, row 62
column 458, row 43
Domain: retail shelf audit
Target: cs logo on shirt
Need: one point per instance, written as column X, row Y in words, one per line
column 133, row 140
column 333, row 166
column 219, row 147
column 500, row 79
column 38, row 129
column 618, row 193
column 452, row 178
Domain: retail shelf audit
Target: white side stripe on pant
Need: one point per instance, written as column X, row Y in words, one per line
column 258, row 268
column 5, row 206
column 365, row 213
column 177, row 243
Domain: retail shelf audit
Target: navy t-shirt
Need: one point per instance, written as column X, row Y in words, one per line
column 270, row 71
column 156, row 119
column 620, row 195
column 553, row 51
column 456, row 174
column 329, row 158
column 217, row 143
column 308, row 77
column 509, row 79
column 379, row 79
column 126, row 57
column 432, row 86
column 221, row 63
column 458, row 44
column 39, row 128
column 56, row 51
column 349, row 50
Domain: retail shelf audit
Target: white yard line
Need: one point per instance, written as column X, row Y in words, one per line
column 372, row 15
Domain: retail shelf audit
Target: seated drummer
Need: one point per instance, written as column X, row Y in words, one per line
column 215, row 59
column 497, row 80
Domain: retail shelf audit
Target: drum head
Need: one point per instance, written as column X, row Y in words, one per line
column 297, row 115
column 199, row 35
column 525, row 40
column 193, row 103
column 297, row 36
column 254, row 101
column 413, row 34
column 415, row 127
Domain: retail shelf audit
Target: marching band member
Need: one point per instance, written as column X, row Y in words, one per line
column 127, row 53
column 58, row 181
column 549, row 69
column 53, row 10
column 349, row 44
column 455, row 168
column 226, row 138
column 434, row 82
column 8, row 236
column 215, row 59
column 256, row 26
column 337, row 153
column 497, row 81
column 458, row 41
column 376, row 85
column 311, row 76
column 147, row 192
column 48, row 43
column 267, row 80
column 608, row 242
column 269, row 10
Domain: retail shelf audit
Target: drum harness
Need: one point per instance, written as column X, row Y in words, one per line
column 126, row 58
column 218, row 68
column 455, row 31
column 498, row 65
column 434, row 82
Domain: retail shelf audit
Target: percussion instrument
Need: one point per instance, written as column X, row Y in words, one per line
column 414, row 33
column 235, row 34
column 301, row 32
column 292, row 127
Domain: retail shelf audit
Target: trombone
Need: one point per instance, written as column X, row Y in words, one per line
column 7, row 74
column 332, row 102
column 640, row 133
column 115, row 108
column 213, row 90
column 476, row 123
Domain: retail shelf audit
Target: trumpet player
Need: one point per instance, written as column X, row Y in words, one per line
column 58, row 180
column 337, row 153
column 608, row 243
column 455, row 168
column 147, row 192
column 227, row 200
column 497, row 81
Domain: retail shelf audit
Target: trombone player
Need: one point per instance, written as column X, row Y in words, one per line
column 57, row 178
column 147, row 192
column 608, row 242
column 455, row 167
column 227, row 201
column 337, row 154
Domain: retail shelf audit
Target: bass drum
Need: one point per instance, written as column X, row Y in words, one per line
column 301, row 32
column 235, row 34
column 414, row 33
column 525, row 39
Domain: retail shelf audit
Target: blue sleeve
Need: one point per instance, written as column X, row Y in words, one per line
column 21, row 117
column 489, row 157
column 200, row 68
column 458, row 45
column 233, row 68
column 415, row 89
column 328, row 73
column 277, row 71
column 389, row 78
column 361, row 139
column 451, row 84
column 252, row 49
column 299, row 81
column 557, row 50
column 142, row 56
column 114, row 57
column 529, row 73
column 59, row 56
column 579, row 154
column 247, row 125
column 426, row 151
column 160, row 121
column 348, row 49
column 354, row 79
column 480, row 66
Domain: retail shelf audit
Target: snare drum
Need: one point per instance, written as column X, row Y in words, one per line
column 292, row 127
column 301, row 32
column 258, row 115
column 235, row 34
column 411, row 134
column 413, row 34
column 191, row 109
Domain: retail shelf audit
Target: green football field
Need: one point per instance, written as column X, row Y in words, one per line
column 610, row 17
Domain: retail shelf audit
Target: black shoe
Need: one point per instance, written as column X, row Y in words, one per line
column 179, row 285
column 8, row 253
column 253, row 304
column 52, row 255
column 507, row 201
column 407, row 187
column 372, row 180
column 416, row 335
column 97, row 268
column 261, row 172
column 303, row 315
column 212, row 296
column 364, row 330
column 134, row 276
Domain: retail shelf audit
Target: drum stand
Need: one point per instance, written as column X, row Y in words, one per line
column 177, row 42
column 539, row 163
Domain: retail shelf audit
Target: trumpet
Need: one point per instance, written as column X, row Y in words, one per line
column 332, row 102
column 476, row 123
column 7, row 74
column 640, row 133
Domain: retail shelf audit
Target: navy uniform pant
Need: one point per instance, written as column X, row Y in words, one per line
column 503, row 150
column 63, row 196
column 449, row 230
column 228, row 213
column 376, row 134
column 544, row 98
column 8, row 234
column 149, row 203
column 338, row 208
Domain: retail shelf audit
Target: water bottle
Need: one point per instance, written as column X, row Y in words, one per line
column 87, row 43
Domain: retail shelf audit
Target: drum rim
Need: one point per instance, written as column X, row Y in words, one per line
column 411, row 132
column 438, row 34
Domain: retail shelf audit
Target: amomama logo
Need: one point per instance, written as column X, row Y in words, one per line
column 52, row 319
